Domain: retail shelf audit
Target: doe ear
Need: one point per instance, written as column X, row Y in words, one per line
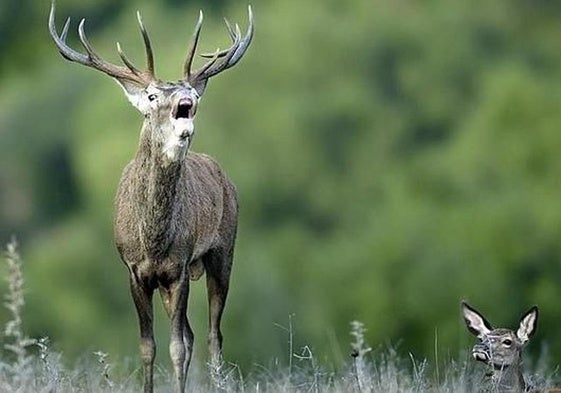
column 528, row 325
column 475, row 322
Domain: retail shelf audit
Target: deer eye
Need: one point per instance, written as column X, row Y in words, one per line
column 507, row 342
column 152, row 97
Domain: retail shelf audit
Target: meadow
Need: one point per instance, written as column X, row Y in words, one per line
column 28, row 364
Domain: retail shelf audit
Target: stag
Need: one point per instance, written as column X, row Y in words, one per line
column 175, row 210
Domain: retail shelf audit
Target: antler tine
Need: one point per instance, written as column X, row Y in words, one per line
column 92, row 59
column 60, row 41
column 222, row 53
column 230, row 29
column 209, row 64
column 85, row 43
column 192, row 47
column 245, row 42
column 126, row 61
column 147, row 45
column 104, row 66
column 65, row 29
column 206, row 72
column 147, row 48
column 230, row 56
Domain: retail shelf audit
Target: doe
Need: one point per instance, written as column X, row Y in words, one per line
column 501, row 349
column 175, row 211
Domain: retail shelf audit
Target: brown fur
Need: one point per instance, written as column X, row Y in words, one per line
column 174, row 221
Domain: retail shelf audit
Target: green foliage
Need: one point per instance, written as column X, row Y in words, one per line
column 391, row 157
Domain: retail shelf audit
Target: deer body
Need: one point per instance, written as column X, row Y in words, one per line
column 175, row 211
column 185, row 209
column 169, row 221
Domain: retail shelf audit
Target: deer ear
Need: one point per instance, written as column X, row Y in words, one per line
column 528, row 325
column 475, row 322
column 200, row 86
column 133, row 92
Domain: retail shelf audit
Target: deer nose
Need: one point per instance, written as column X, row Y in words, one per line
column 184, row 108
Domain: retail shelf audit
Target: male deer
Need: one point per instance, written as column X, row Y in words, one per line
column 175, row 211
column 501, row 349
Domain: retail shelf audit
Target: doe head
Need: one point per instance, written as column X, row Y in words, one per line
column 499, row 348
column 169, row 108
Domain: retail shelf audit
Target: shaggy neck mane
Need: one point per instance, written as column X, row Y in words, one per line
column 156, row 190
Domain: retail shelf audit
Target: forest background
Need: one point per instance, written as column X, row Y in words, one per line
column 391, row 157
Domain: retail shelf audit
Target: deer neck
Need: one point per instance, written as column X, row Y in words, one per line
column 157, row 181
column 508, row 379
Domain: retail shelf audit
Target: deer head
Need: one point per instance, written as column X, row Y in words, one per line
column 169, row 108
column 501, row 348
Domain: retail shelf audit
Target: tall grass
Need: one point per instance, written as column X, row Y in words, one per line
column 28, row 365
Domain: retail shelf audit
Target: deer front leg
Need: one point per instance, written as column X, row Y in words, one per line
column 187, row 332
column 181, row 335
column 143, row 302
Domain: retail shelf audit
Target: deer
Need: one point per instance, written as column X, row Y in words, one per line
column 501, row 349
column 176, row 211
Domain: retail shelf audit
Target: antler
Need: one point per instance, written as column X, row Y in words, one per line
column 93, row 60
column 220, row 60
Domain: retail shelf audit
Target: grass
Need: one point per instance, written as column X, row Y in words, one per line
column 28, row 365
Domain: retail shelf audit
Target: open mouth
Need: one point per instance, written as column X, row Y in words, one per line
column 480, row 355
column 182, row 119
column 183, row 109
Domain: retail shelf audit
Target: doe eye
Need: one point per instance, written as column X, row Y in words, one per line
column 507, row 342
column 152, row 97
